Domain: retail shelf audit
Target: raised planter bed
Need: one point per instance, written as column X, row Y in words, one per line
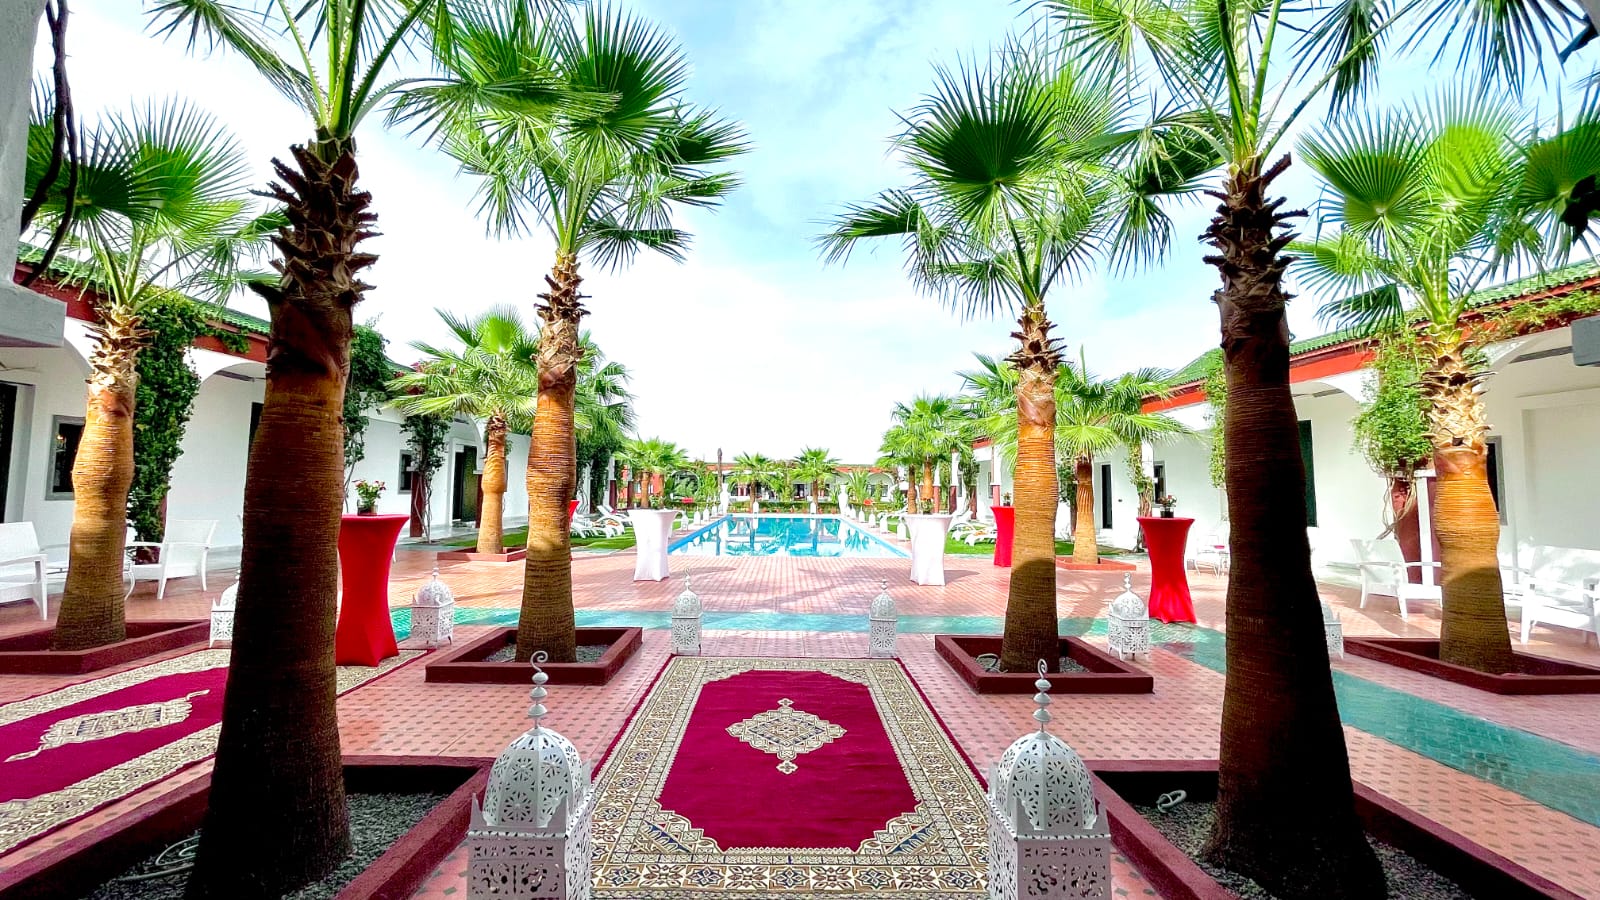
column 1106, row 674
column 1122, row 784
column 467, row 663
column 76, row 866
column 29, row 653
column 1535, row 675
column 1104, row 565
column 516, row 554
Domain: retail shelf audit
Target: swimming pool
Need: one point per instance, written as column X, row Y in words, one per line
column 828, row 536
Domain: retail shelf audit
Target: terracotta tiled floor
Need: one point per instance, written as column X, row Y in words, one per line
column 816, row 607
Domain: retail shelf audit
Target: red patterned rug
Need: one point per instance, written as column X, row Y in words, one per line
column 67, row 752
column 750, row 778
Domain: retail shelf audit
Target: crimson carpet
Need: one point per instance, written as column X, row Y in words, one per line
column 65, row 753
column 750, row 778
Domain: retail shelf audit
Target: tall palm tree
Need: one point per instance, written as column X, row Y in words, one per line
column 815, row 466
column 935, row 428
column 653, row 458
column 277, row 817
column 1419, row 205
column 1096, row 416
column 161, row 207
column 858, row 485
column 1282, row 745
column 757, row 470
column 603, row 412
column 492, row 378
column 1022, row 174
column 603, row 181
column 899, row 450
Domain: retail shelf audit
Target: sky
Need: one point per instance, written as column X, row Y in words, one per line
column 752, row 344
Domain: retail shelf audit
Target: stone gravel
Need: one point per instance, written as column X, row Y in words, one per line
column 1068, row 665
column 587, row 653
column 1188, row 824
column 376, row 822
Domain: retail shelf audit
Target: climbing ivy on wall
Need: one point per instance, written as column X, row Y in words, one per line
column 165, row 398
column 1392, row 427
column 1216, row 387
column 369, row 375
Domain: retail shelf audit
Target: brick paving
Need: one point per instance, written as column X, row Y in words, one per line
column 817, row 607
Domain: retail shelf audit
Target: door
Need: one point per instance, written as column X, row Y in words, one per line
column 8, row 425
column 464, row 499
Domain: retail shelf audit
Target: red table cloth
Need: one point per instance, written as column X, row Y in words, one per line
column 1169, row 584
column 1005, row 525
column 365, row 636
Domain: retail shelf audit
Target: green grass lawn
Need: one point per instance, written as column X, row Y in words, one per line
column 519, row 538
column 955, row 547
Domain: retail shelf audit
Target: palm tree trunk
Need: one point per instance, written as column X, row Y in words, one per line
column 491, row 527
column 1147, row 489
column 1282, row 745
column 277, row 817
column 547, row 622
column 91, row 612
column 927, row 484
column 1085, row 539
column 1030, row 626
column 1472, row 630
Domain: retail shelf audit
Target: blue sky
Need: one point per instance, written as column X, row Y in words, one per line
column 752, row 344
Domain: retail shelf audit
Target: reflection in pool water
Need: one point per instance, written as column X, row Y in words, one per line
column 784, row 536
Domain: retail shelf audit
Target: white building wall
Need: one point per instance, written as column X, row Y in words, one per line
column 51, row 383
column 208, row 478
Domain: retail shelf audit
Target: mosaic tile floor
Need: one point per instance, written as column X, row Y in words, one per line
column 1520, row 775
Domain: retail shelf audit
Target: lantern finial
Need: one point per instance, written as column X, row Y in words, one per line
column 537, row 711
column 1042, row 714
column 1127, row 581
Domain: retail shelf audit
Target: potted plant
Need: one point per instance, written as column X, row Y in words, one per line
column 1166, row 502
column 367, row 494
column 1005, row 499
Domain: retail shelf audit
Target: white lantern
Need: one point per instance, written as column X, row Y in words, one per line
column 1333, row 629
column 531, row 837
column 1128, row 623
column 881, row 619
column 433, row 614
column 222, row 615
column 686, row 620
column 1048, row 837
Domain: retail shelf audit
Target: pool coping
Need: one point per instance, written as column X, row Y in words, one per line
column 679, row 542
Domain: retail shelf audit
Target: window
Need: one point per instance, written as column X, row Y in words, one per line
column 1496, row 476
column 1311, row 479
column 406, row 471
column 1105, row 496
column 67, row 432
column 1160, row 470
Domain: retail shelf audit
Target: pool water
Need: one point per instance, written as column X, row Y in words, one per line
column 829, row 536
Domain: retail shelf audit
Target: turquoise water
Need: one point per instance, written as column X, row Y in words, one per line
column 826, row 536
column 1548, row 772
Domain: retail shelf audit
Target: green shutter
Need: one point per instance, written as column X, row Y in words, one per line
column 1311, row 476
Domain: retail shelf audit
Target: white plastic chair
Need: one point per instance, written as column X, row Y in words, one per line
column 1213, row 553
column 1562, row 587
column 24, row 569
column 1384, row 573
column 183, row 553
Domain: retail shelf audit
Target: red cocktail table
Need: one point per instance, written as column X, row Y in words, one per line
column 1169, row 584
column 365, row 636
column 1005, row 525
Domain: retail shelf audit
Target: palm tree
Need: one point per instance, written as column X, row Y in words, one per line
column 757, row 470
column 1282, row 744
column 277, row 817
column 652, row 458
column 934, row 428
column 901, row 450
column 161, row 208
column 492, row 378
column 815, row 466
column 603, row 181
column 858, row 485
column 603, row 413
column 1022, row 174
column 1098, row 416
column 1419, row 204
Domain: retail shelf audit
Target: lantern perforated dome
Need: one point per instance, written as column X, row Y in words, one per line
column 534, row 775
column 882, row 605
column 1045, row 779
column 434, row 593
column 1127, row 604
column 688, row 602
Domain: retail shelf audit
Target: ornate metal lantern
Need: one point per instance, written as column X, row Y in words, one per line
column 686, row 621
column 881, row 618
column 530, row 838
column 1048, row 837
column 222, row 615
column 433, row 614
column 1128, row 623
column 1334, row 630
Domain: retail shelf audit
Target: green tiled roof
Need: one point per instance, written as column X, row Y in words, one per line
column 1510, row 290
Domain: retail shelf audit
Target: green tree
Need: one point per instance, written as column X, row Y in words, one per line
column 758, row 470
column 603, row 181
column 1023, row 174
column 160, row 208
column 859, row 486
column 365, row 389
column 277, row 817
column 428, row 437
column 1420, row 204
column 603, row 414
column 934, row 427
column 817, row 467
column 653, row 458
column 491, row 378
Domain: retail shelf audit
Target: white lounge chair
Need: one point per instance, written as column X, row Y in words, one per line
column 1384, row 573
column 182, row 553
column 1560, row 586
column 24, row 568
